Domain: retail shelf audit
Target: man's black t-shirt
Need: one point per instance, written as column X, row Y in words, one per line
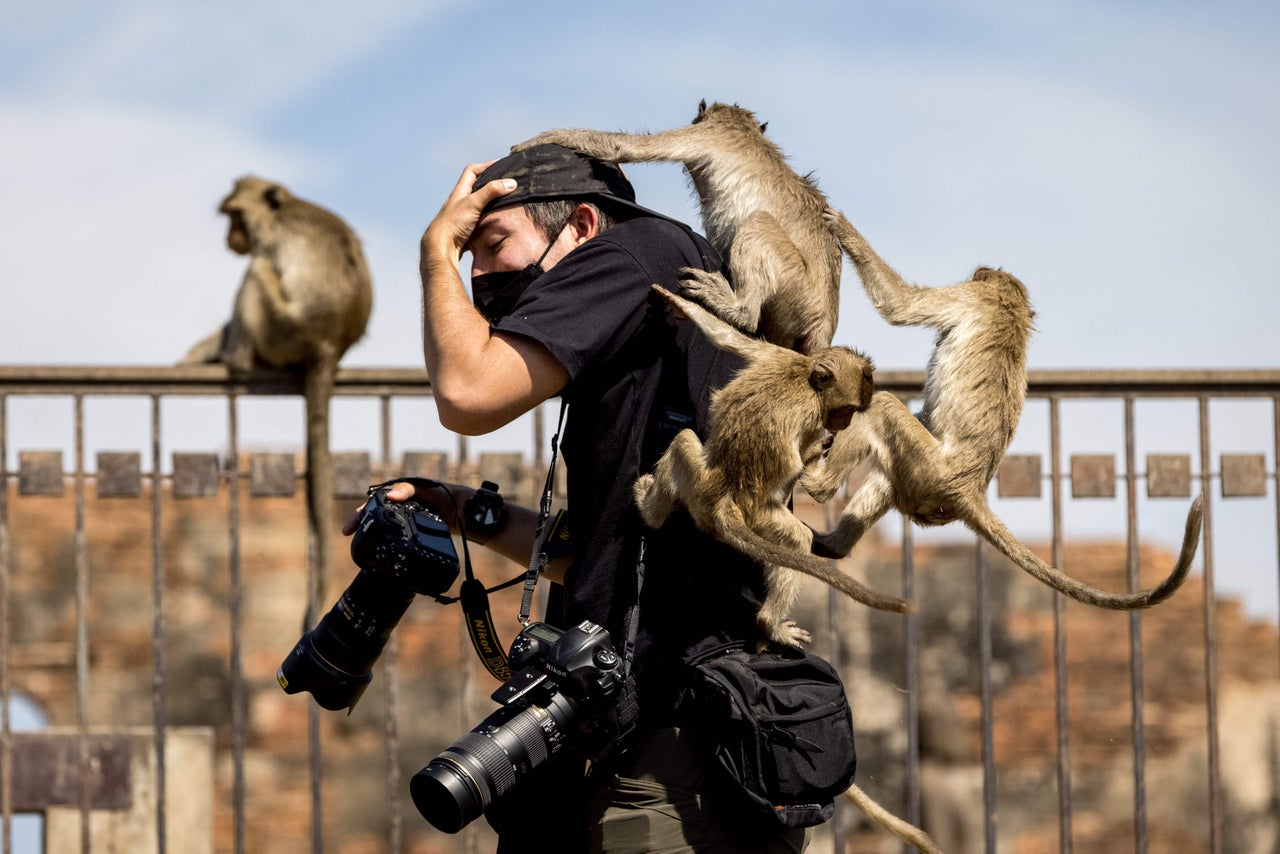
column 636, row 379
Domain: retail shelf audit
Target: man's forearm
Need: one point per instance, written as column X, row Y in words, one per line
column 453, row 332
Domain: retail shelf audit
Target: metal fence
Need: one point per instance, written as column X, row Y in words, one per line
column 1232, row 473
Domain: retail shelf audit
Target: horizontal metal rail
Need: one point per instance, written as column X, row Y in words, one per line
column 1198, row 386
column 211, row 379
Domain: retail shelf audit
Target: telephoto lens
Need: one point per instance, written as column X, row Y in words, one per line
column 456, row 787
column 565, row 692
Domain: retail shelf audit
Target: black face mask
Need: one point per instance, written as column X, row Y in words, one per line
column 495, row 294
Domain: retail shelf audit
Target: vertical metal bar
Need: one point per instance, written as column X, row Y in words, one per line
column 1137, row 724
column 82, row 629
column 314, row 752
column 988, row 741
column 539, row 439
column 234, row 603
column 391, row 665
column 1210, row 638
column 1061, row 709
column 1275, row 463
column 6, row 741
column 911, row 672
column 157, row 625
column 388, row 470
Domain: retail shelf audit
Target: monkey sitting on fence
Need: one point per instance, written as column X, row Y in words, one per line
column 935, row 467
column 304, row 300
column 768, row 423
column 761, row 216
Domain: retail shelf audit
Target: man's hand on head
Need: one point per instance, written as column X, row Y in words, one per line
column 449, row 232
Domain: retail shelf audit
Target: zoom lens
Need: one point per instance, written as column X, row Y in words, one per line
column 334, row 661
column 456, row 787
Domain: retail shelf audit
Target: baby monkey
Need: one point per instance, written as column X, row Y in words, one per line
column 935, row 467
column 769, row 422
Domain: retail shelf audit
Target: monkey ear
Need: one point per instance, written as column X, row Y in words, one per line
column 763, row 126
column 821, row 376
column 272, row 197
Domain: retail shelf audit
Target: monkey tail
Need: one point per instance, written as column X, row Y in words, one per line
column 986, row 524
column 318, row 389
column 905, row 831
column 732, row 528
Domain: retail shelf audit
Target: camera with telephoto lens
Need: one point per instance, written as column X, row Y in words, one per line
column 566, row 691
column 402, row 548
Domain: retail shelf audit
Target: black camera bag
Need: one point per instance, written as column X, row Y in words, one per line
column 779, row 728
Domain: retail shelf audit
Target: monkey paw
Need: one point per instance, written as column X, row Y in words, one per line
column 654, row 510
column 792, row 635
column 712, row 292
column 829, row 545
column 642, row 486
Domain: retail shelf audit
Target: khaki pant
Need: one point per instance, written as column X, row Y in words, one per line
column 657, row 804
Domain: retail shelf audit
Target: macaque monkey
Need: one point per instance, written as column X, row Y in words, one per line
column 768, row 423
column 763, row 218
column 304, row 300
column 935, row 467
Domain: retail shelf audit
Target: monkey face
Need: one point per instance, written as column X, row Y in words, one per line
column 843, row 380
column 251, row 203
column 237, row 233
column 839, row 418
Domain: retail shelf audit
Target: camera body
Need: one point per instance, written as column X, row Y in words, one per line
column 406, row 542
column 568, row 690
column 403, row 548
column 580, row 663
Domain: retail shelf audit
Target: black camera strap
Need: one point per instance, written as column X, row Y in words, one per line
column 538, row 559
column 628, row 707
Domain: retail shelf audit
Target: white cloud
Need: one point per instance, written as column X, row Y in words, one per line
column 114, row 248
column 230, row 58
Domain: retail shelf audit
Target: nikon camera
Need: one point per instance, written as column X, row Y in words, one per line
column 566, row 691
column 403, row 548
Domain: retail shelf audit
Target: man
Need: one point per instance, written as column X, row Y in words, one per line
column 562, row 263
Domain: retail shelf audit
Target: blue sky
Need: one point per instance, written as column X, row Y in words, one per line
column 1121, row 158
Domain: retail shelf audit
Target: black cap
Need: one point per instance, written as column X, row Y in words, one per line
column 549, row 172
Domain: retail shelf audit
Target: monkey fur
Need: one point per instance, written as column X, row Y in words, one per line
column 759, row 214
column 766, row 425
column 934, row 468
column 904, row 830
column 304, row 300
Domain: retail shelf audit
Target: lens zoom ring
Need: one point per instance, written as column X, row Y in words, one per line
column 525, row 728
column 481, row 750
